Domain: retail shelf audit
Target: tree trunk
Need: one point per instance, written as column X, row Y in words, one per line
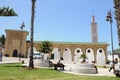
column 31, row 63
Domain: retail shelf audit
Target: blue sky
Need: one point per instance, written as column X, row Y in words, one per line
column 62, row 20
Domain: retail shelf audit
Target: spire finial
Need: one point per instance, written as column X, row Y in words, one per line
column 93, row 19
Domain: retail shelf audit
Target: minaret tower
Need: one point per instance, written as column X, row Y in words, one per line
column 94, row 32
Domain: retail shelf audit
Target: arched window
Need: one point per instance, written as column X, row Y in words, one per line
column 65, row 49
column 100, row 51
column 88, row 51
column 78, row 51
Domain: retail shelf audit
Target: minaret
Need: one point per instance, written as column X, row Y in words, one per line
column 94, row 32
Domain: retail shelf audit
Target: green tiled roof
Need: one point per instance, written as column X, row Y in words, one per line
column 62, row 42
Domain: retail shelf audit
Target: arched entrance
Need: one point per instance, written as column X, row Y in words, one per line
column 15, row 53
column 78, row 52
column 90, row 54
column 67, row 54
column 100, row 56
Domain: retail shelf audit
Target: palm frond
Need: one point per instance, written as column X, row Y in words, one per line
column 6, row 11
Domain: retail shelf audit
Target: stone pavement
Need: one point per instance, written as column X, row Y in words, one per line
column 101, row 71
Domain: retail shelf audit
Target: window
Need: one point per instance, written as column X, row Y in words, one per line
column 88, row 51
column 65, row 49
column 100, row 51
column 78, row 51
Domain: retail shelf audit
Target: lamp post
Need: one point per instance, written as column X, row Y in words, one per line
column 109, row 18
column 21, row 27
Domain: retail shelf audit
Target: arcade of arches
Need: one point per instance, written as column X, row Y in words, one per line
column 67, row 51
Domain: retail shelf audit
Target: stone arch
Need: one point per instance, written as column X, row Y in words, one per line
column 100, row 56
column 78, row 52
column 15, row 53
column 90, row 54
column 67, row 54
column 56, row 53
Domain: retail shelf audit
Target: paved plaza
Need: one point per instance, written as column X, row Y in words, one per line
column 101, row 71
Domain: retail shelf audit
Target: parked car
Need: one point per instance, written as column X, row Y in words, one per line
column 37, row 56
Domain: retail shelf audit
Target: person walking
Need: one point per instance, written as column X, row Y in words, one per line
column 111, row 66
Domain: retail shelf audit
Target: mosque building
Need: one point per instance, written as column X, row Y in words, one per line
column 16, row 42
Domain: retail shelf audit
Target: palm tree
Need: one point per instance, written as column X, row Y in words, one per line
column 6, row 11
column 46, row 47
column 31, row 64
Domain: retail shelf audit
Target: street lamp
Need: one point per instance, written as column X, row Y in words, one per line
column 109, row 18
column 21, row 27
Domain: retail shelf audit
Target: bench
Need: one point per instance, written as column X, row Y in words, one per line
column 61, row 66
